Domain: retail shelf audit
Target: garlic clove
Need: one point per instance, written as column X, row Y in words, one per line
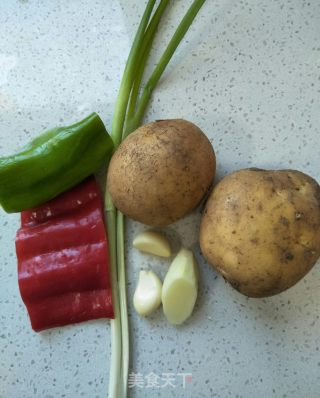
column 147, row 296
column 153, row 243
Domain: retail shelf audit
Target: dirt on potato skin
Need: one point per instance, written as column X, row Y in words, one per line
column 261, row 229
column 161, row 172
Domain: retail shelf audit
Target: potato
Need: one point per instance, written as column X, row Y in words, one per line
column 261, row 229
column 161, row 172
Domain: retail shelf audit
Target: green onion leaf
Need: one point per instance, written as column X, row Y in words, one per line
column 128, row 114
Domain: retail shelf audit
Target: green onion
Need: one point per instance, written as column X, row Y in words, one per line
column 116, row 343
column 128, row 114
column 182, row 29
column 145, row 51
column 128, row 77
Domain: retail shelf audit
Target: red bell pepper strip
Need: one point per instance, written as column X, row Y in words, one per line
column 63, row 267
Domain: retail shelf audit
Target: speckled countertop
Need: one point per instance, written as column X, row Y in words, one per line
column 248, row 74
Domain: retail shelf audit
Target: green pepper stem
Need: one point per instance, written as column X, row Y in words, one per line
column 163, row 62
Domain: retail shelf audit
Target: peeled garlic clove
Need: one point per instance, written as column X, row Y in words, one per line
column 180, row 287
column 147, row 296
column 153, row 243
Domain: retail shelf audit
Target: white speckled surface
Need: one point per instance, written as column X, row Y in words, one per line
column 249, row 75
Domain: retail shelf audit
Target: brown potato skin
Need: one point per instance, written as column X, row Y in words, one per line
column 261, row 229
column 161, row 171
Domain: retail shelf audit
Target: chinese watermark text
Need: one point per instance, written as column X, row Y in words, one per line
column 162, row 380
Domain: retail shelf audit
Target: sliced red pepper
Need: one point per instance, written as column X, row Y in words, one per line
column 63, row 267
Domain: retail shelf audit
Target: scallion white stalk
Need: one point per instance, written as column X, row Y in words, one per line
column 128, row 114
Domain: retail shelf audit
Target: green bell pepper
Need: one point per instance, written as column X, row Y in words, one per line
column 52, row 163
